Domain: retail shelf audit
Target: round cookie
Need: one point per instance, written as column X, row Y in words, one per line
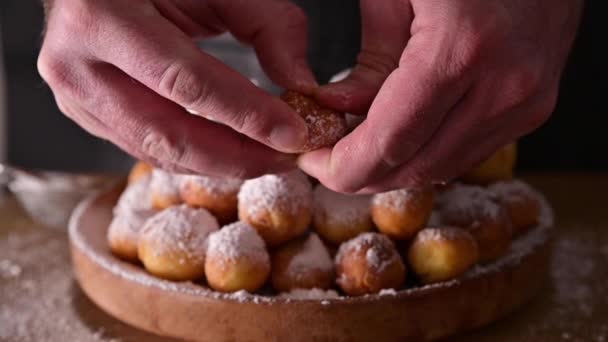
column 236, row 259
column 139, row 171
column 278, row 206
column 304, row 263
column 441, row 254
column 164, row 189
column 521, row 202
column 369, row 263
column 218, row 195
column 340, row 217
column 499, row 166
column 325, row 126
column 401, row 213
column 477, row 210
column 173, row 243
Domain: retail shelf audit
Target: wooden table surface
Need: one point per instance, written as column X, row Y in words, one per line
column 40, row 301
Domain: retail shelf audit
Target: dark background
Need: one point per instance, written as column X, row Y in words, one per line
column 41, row 137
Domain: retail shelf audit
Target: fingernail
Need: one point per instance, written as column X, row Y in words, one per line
column 288, row 138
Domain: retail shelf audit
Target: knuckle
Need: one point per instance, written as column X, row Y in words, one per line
column 376, row 61
column 248, row 122
column 294, row 15
column 52, row 69
column 162, row 147
column 181, row 84
column 521, row 83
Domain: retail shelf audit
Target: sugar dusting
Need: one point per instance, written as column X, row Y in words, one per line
column 179, row 229
column 519, row 248
column 470, row 202
column 312, row 256
column 443, row 234
column 396, row 199
column 135, row 199
column 237, row 240
column 314, row 293
column 286, row 191
column 514, row 190
column 213, row 185
column 164, row 183
column 340, row 209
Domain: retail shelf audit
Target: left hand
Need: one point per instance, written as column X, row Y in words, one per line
column 446, row 84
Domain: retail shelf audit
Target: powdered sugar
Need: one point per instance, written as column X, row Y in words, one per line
column 312, row 256
column 288, row 192
column 127, row 226
column 469, row 202
column 135, row 199
column 164, row 183
column 315, row 293
column 514, row 190
column 237, row 240
column 396, row 199
column 443, row 234
column 179, row 229
column 340, row 209
column 213, row 185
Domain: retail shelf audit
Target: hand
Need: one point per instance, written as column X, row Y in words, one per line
column 126, row 71
column 449, row 82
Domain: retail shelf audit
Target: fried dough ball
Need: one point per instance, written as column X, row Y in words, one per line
column 325, row 126
column 441, row 254
column 236, row 259
column 302, row 264
column 498, row 167
column 278, row 206
column 339, row 217
column 369, row 263
column 521, row 202
column 133, row 208
column 173, row 243
column 477, row 210
column 164, row 188
column 400, row 214
column 218, row 195
column 139, row 171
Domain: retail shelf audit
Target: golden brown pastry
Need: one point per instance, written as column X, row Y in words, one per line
column 172, row 243
column 339, row 217
column 325, row 126
column 218, row 195
column 236, row 259
column 477, row 210
column 139, row 171
column 441, row 254
column 499, row 166
column 279, row 206
column 302, row 264
column 369, row 263
column 401, row 213
column 521, row 202
column 164, row 189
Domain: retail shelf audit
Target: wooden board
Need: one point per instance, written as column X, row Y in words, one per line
column 192, row 312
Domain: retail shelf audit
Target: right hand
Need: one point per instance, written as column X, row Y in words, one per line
column 128, row 71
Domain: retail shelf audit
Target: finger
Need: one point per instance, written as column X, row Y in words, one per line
column 156, row 53
column 386, row 26
column 278, row 30
column 407, row 111
column 156, row 130
column 463, row 140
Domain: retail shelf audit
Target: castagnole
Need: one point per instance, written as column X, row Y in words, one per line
column 325, row 126
column 172, row 244
column 279, row 206
column 401, row 213
column 236, row 259
column 440, row 254
column 369, row 263
column 218, row 195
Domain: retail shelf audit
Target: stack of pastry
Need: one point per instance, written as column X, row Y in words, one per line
column 278, row 233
